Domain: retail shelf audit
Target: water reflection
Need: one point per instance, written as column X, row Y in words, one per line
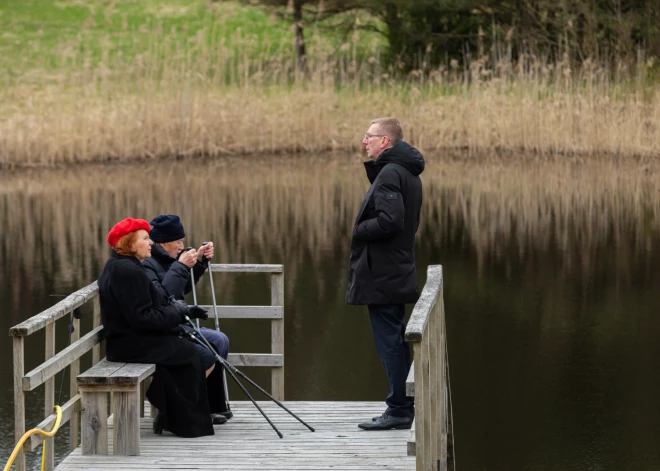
column 550, row 285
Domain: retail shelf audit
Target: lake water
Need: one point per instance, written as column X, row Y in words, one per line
column 550, row 288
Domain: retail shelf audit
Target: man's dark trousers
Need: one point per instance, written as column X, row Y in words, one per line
column 389, row 326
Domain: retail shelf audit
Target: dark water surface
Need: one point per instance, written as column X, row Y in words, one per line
column 552, row 307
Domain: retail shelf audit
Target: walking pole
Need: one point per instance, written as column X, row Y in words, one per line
column 215, row 308
column 217, row 324
column 192, row 281
column 233, row 370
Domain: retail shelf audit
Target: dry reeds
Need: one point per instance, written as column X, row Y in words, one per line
column 205, row 98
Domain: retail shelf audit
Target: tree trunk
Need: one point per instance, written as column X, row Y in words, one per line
column 300, row 39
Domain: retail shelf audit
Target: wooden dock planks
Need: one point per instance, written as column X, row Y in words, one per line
column 247, row 442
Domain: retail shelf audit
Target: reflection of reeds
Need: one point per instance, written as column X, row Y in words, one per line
column 204, row 98
column 290, row 210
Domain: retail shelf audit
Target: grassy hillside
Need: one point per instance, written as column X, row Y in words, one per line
column 42, row 35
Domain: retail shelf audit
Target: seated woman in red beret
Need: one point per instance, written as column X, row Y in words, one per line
column 142, row 326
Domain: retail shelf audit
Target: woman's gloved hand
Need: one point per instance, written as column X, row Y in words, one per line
column 181, row 308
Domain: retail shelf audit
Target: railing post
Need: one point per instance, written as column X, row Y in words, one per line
column 19, row 399
column 277, row 334
column 421, row 418
column 442, row 417
column 96, row 319
column 74, row 371
column 433, row 336
column 49, row 395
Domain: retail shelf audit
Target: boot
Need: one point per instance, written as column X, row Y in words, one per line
column 160, row 423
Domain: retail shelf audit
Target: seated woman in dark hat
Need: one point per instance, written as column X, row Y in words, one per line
column 170, row 269
column 142, row 326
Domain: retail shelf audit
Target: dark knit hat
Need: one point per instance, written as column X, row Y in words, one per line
column 166, row 228
column 125, row 226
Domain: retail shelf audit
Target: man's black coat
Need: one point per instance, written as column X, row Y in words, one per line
column 141, row 326
column 172, row 276
column 382, row 263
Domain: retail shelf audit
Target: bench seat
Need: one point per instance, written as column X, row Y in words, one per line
column 122, row 380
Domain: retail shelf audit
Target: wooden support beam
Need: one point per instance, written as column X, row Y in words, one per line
column 246, row 312
column 57, row 363
column 277, row 335
column 246, row 268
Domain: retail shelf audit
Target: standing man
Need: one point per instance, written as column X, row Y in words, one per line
column 381, row 272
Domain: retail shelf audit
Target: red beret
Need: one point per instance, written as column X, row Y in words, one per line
column 126, row 226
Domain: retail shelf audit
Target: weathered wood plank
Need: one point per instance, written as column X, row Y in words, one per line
column 49, row 395
column 247, row 443
column 94, row 423
column 277, row 335
column 57, row 363
column 96, row 322
column 58, row 311
column 116, row 373
column 256, row 359
column 434, row 344
column 68, row 410
column 246, row 268
column 410, row 381
column 98, row 373
column 411, row 448
column 126, row 432
column 420, row 409
column 424, row 306
column 443, row 411
column 74, row 371
column 132, row 373
column 246, row 312
column 19, row 398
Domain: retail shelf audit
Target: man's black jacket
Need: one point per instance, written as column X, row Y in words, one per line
column 382, row 263
column 171, row 276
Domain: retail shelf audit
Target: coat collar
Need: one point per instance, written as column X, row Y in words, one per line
column 159, row 254
column 114, row 254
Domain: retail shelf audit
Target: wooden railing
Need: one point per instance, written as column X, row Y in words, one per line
column 70, row 356
column 428, row 377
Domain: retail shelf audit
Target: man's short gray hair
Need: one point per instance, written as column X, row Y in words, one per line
column 391, row 127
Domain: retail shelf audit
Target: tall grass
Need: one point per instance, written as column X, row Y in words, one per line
column 204, row 95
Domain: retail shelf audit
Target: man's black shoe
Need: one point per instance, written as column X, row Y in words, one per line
column 228, row 414
column 387, row 422
column 218, row 419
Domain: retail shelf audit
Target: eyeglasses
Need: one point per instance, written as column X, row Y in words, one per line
column 369, row 136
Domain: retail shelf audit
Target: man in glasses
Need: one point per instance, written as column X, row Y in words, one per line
column 381, row 271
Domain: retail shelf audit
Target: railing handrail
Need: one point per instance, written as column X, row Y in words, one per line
column 425, row 304
column 70, row 355
column 53, row 313
column 246, row 268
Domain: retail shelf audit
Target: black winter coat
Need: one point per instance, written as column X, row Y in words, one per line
column 171, row 276
column 382, row 263
column 139, row 325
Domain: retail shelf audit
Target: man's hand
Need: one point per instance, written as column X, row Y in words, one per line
column 206, row 250
column 188, row 258
column 197, row 312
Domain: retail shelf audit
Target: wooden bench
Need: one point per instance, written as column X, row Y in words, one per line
column 122, row 380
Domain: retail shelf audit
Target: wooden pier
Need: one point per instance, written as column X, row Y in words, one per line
column 247, row 441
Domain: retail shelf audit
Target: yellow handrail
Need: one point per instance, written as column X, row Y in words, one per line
column 21, row 442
